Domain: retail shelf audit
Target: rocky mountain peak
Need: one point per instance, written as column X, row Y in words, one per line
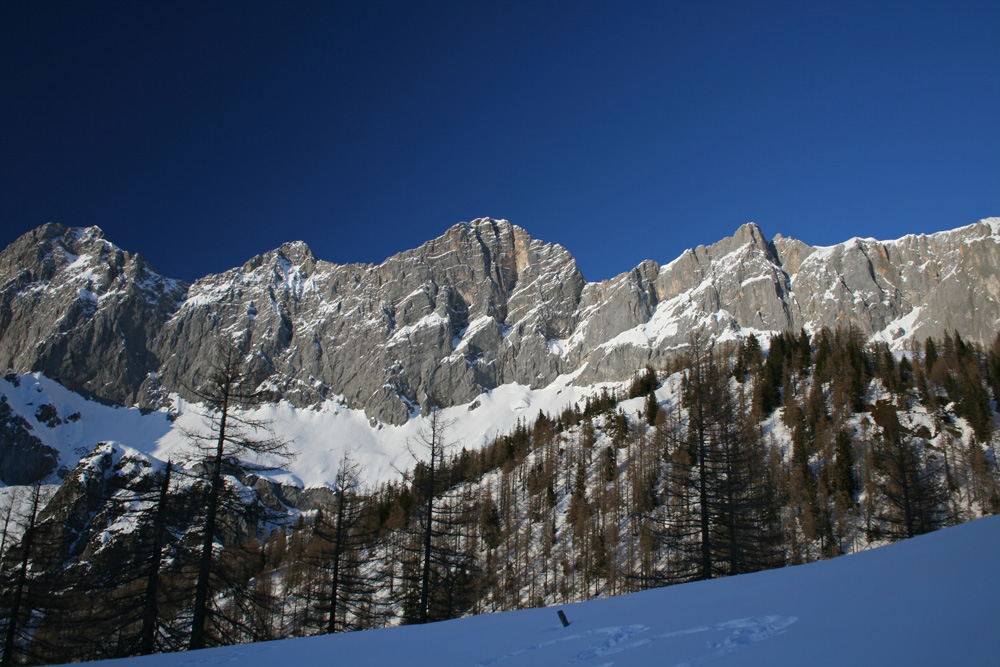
column 750, row 234
column 296, row 252
column 482, row 305
column 81, row 310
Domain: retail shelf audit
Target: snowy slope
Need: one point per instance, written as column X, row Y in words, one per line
column 319, row 436
column 931, row 600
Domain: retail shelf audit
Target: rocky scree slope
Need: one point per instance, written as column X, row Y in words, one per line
column 481, row 306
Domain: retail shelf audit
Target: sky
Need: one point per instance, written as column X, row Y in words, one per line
column 199, row 134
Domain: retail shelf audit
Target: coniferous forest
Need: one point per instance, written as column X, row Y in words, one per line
column 735, row 458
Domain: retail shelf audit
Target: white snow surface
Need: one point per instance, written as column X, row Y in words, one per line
column 318, row 436
column 931, row 600
column 899, row 330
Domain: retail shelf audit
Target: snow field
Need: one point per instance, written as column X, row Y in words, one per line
column 318, row 436
column 931, row 600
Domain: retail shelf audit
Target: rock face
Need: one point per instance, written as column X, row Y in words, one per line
column 483, row 305
column 23, row 457
column 82, row 494
column 82, row 311
column 463, row 313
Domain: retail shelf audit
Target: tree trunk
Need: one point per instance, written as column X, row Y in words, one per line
column 425, row 577
column 150, row 610
column 337, row 552
column 205, row 563
column 20, row 586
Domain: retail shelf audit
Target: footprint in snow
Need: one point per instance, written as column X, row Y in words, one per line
column 617, row 639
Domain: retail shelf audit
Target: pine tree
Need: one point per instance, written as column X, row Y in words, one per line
column 643, row 383
column 930, row 355
column 767, row 390
column 974, row 398
column 993, row 368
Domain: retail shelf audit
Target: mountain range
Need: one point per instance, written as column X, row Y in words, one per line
column 585, row 430
column 482, row 306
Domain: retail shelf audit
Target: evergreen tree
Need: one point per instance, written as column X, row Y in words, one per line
column 651, row 409
column 767, row 393
column 643, row 383
column 748, row 358
column 974, row 398
column 930, row 355
column 993, row 368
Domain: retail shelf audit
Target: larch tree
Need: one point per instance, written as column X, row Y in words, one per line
column 236, row 441
column 20, row 585
column 913, row 493
column 153, row 584
column 338, row 549
column 721, row 513
column 428, row 549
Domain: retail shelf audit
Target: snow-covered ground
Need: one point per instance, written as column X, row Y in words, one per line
column 318, row 436
column 931, row 600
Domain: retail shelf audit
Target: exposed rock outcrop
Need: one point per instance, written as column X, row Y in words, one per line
column 481, row 306
column 24, row 459
column 82, row 311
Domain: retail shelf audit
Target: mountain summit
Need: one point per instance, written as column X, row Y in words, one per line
column 481, row 306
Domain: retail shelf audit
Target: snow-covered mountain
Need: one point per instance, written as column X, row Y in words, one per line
column 483, row 319
column 876, row 607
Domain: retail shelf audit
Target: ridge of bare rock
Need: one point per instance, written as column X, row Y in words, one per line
column 482, row 305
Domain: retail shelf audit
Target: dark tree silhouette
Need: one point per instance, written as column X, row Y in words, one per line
column 233, row 440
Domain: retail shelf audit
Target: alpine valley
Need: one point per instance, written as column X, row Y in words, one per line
column 495, row 431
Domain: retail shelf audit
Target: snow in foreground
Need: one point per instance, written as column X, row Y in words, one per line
column 932, row 600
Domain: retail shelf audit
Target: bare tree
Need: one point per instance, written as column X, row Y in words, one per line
column 438, row 563
column 338, row 548
column 433, row 443
column 21, row 595
column 8, row 516
column 233, row 440
column 913, row 491
column 150, row 606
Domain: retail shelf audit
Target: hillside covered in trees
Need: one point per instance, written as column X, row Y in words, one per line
column 731, row 459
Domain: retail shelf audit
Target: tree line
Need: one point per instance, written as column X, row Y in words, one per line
column 732, row 459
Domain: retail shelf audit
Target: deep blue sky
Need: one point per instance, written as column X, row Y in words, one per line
column 201, row 133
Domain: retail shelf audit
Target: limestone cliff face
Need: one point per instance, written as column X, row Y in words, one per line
column 440, row 324
column 481, row 306
column 82, row 311
column 911, row 288
column 897, row 291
